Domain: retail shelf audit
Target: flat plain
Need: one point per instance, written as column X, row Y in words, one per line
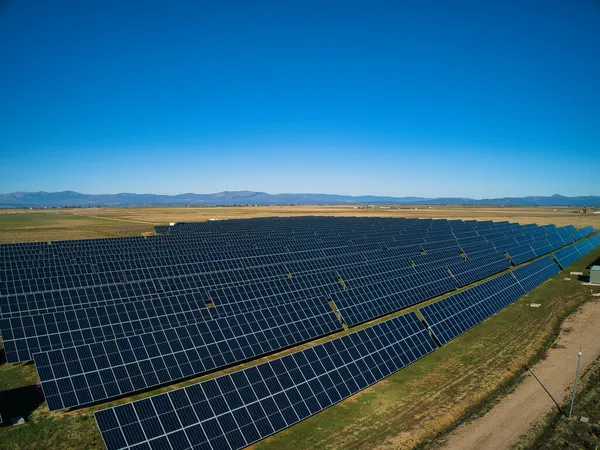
column 413, row 408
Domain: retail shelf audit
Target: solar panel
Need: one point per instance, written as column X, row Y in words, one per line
column 567, row 256
column 368, row 302
column 24, row 336
column 457, row 313
column 532, row 275
column 241, row 408
column 521, row 254
column 88, row 373
column 541, row 247
column 584, row 247
column 475, row 269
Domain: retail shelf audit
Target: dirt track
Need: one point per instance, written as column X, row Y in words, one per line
column 504, row 424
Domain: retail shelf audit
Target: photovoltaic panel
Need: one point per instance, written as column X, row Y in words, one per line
column 521, row 254
column 457, row 313
column 576, row 234
column 541, row 247
column 476, row 269
column 238, row 409
column 585, row 231
column 533, row 274
column 586, row 246
column 567, row 256
column 89, row 373
column 368, row 302
column 24, row 336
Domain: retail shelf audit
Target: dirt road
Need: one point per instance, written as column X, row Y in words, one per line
column 503, row 425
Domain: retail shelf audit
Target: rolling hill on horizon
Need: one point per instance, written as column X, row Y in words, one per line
column 229, row 198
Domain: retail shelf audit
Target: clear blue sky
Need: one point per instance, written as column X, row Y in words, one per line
column 404, row 97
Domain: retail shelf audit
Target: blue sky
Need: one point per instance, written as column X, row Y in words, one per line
column 424, row 98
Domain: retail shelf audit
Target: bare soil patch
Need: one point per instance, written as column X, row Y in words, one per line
column 503, row 425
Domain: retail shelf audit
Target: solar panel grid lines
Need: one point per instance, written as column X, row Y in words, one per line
column 533, row 274
column 478, row 268
column 362, row 275
column 437, row 263
column 251, row 303
column 241, row 408
column 108, row 293
column 576, row 234
column 91, row 296
column 430, row 256
column 521, row 254
column 52, row 301
column 24, row 336
column 475, row 248
column 170, row 252
column 587, row 245
column 435, row 246
column 453, row 315
column 89, row 373
column 368, row 302
column 585, row 231
column 567, row 256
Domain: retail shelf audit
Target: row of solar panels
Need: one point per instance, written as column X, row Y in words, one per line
column 60, row 329
column 26, row 335
column 122, row 243
column 27, row 280
column 251, row 249
column 73, row 299
column 66, row 281
column 84, row 374
column 170, row 243
column 324, row 249
column 347, row 227
column 238, row 409
column 361, row 292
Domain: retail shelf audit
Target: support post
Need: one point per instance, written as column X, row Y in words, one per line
column 575, row 384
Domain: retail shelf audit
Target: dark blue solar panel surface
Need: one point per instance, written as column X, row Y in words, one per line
column 532, row 275
column 238, row 409
column 367, row 302
column 478, row 268
column 77, row 293
column 521, row 254
column 88, row 373
column 567, row 256
column 454, row 315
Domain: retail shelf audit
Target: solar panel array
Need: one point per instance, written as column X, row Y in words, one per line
column 238, row 409
column 457, row 313
column 567, row 256
column 102, row 318
column 89, row 373
column 82, row 292
column 532, row 275
column 454, row 315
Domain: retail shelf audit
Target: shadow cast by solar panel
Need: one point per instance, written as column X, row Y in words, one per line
column 19, row 402
column 2, row 356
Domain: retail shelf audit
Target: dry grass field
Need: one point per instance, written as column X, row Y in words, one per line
column 409, row 409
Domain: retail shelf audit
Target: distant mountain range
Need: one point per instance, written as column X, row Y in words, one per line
column 75, row 199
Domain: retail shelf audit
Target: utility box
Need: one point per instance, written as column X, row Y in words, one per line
column 595, row 274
